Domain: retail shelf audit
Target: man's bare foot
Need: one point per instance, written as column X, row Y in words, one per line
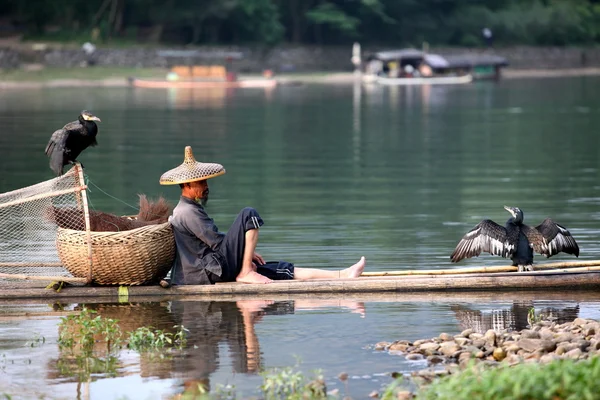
column 357, row 307
column 355, row 270
column 252, row 277
column 253, row 306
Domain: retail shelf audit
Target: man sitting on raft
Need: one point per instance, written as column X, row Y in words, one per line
column 207, row 256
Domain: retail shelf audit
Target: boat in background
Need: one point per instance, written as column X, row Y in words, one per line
column 204, row 72
column 416, row 67
column 203, row 83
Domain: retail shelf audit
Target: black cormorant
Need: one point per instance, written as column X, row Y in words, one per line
column 516, row 240
column 67, row 143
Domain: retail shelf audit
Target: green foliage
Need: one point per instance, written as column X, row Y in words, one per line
column 558, row 380
column 146, row 339
column 328, row 13
column 267, row 22
column 82, row 331
column 289, row 383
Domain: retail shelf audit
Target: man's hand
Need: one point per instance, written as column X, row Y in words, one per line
column 257, row 259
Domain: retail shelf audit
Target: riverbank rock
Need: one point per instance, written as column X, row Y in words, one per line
column 545, row 341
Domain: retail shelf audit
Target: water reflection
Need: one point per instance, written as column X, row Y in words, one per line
column 515, row 318
column 213, row 323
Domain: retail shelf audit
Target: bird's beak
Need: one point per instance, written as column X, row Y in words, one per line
column 91, row 118
column 510, row 210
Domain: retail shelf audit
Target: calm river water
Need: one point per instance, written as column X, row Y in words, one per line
column 337, row 171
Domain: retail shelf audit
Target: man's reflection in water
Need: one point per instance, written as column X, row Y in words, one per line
column 216, row 322
column 511, row 319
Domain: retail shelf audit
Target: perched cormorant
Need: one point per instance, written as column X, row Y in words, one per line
column 67, row 143
column 516, row 240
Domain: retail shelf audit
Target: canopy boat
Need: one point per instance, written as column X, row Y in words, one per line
column 415, row 67
column 195, row 69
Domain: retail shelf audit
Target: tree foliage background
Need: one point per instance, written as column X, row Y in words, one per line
column 323, row 22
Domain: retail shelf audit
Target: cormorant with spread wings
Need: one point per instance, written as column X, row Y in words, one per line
column 516, row 240
column 67, row 143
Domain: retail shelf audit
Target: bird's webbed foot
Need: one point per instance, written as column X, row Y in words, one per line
column 523, row 268
column 73, row 162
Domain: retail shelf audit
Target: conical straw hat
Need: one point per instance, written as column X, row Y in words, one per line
column 191, row 170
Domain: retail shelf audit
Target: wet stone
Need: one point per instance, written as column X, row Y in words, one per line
column 532, row 345
column 414, row 357
column 490, row 337
column 583, row 344
column 546, row 358
column 529, row 334
column 398, row 347
column 404, row 395
column 466, row 333
column 429, row 347
column 499, row 354
column 449, row 348
column 563, row 337
column 574, row 354
column 446, row 337
column 381, row 345
column 436, row 359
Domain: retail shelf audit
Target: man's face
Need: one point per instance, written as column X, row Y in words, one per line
column 200, row 191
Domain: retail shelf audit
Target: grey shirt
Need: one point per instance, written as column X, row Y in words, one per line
column 197, row 239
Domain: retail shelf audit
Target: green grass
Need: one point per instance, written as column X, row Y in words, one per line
column 89, row 74
column 558, row 380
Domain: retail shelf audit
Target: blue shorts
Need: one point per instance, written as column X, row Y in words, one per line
column 277, row 270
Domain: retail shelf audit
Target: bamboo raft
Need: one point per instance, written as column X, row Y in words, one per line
column 556, row 276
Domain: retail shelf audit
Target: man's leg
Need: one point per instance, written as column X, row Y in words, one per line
column 248, row 272
column 313, row 273
column 239, row 245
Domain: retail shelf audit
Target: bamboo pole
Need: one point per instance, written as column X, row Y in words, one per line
column 42, row 278
column 43, row 196
column 25, row 264
column 472, row 270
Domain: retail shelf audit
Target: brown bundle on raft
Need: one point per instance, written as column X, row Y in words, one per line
column 151, row 213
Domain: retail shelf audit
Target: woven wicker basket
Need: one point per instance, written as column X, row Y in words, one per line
column 133, row 257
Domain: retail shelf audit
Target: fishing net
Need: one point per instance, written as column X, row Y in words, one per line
column 29, row 218
column 48, row 234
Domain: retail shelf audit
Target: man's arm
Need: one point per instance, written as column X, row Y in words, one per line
column 205, row 229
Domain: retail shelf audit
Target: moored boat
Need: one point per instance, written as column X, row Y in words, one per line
column 435, row 80
column 201, row 84
column 415, row 67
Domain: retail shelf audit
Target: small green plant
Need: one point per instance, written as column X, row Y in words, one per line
column 290, row 384
column 389, row 392
column 532, row 318
column 146, row 339
column 84, row 366
column 84, row 330
column 558, row 380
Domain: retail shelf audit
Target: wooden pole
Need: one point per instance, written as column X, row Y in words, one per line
column 43, row 196
column 43, row 278
column 86, row 214
column 22, row 264
column 472, row 270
